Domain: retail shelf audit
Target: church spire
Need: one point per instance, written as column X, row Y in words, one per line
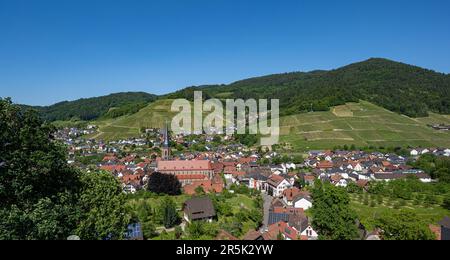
column 166, row 144
column 166, row 136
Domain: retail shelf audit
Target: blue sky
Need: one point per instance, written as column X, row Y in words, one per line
column 58, row 50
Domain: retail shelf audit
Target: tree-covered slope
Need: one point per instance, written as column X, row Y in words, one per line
column 113, row 105
column 399, row 87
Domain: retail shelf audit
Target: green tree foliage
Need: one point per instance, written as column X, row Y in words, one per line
column 404, row 225
column 164, row 184
column 196, row 229
column 199, row 190
column 446, row 203
column 395, row 86
column 144, row 214
column 353, row 188
column 406, row 189
column 123, row 110
column 437, row 167
column 35, row 179
column 92, row 108
column 103, row 211
column 248, row 140
column 331, row 213
column 41, row 197
column 168, row 212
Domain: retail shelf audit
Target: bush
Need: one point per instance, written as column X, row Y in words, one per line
column 379, row 199
column 446, row 203
column 402, row 203
column 164, row 184
column 366, row 201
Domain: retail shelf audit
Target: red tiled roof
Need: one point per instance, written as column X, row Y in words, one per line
column 109, row 158
column 280, row 227
column 275, row 179
column 237, row 173
column 218, row 166
column 436, row 230
column 362, row 183
column 325, row 165
column 131, row 178
column 112, row 168
column 292, row 193
column 224, row 236
column 142, row 165
column 336, row 178
column 209, row 186
column 252, row 235
column 192, row 177
column 283, row 210
column 309, row 177
column 192, row 165
column 386, row 164
column 229, row 169
column 229, row 163
column 246, row 160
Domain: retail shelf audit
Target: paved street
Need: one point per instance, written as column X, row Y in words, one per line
column 267, row 202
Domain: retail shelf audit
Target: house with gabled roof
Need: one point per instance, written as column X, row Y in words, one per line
column 277, row 184
column 199, row 209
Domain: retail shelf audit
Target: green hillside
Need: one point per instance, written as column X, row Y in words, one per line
column 112, row 105
column 399, row 87
column 361, row 124
column 153, row 116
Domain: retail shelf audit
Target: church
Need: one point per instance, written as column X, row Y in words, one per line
column 187, row 172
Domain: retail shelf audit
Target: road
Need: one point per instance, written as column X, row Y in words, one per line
column 267, row 202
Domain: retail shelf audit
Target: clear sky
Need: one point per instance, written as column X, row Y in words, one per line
column 58, row 50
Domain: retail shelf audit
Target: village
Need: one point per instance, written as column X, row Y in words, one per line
column 216, row 165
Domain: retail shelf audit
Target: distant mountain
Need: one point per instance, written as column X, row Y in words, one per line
column 399, row 87
column 112, row 105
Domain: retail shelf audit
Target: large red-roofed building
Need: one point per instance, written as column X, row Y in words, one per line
column 187, row 172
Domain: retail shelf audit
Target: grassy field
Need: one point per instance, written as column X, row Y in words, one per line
column 431, row 214
column 238, row 203
column 155, row 201
column 361, row 124
column 153, row 116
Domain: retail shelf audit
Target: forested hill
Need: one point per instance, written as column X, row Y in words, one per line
column 92, row 108
column 399, row 87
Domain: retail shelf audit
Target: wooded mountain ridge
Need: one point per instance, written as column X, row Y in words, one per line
column 398, row 87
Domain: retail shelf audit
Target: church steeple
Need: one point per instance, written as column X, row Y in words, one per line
column 166, row 144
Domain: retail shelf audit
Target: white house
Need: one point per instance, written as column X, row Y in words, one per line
column 355, row 167
column 277, row 184
column 416, row 152
column 342, row 183
column 302, row 203
column 447, row 152
column 310, row 233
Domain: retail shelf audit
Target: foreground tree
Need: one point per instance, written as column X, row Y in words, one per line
column 404, row 225
column 164, row 184
column 446, row 203
column 41, row 196
column 168, row 212
column 103, row 214
column 38, row 190
column 331, row 212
